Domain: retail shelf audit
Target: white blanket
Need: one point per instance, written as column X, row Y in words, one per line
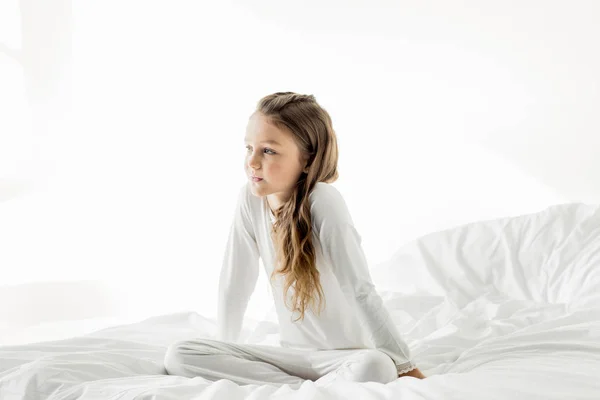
column 503, row 309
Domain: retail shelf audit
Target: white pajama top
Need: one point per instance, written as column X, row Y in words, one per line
column 354, row 316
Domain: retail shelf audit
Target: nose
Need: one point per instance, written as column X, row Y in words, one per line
column 253, row 162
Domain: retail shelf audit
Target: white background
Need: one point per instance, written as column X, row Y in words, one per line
column 122, row 125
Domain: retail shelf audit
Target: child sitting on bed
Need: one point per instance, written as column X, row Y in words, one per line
column 290, row 216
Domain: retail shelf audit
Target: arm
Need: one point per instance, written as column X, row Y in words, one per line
column 342, row 246
column 239, row 273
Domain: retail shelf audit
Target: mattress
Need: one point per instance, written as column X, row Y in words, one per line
column 500, row 309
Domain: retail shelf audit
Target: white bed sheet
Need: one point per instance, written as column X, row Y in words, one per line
column 505, row 309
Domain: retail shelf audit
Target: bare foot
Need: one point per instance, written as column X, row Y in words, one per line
column 415, row 373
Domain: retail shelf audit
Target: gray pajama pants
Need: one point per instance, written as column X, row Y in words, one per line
column 263, row 365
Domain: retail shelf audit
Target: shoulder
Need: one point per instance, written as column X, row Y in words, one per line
column 246, row 198
column 247, row 203
column 328, row 205
column 325, row 192
column 243, row 196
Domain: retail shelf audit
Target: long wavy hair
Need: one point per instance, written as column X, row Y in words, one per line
column 311, row 127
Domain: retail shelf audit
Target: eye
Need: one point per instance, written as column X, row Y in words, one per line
column 266, row 149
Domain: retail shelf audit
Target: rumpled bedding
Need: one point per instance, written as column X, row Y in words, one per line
column 500, row 309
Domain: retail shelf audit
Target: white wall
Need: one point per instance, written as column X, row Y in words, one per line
column 125, row 178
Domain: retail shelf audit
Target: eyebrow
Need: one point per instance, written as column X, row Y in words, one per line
column 268, row 141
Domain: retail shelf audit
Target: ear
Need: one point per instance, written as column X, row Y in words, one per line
column 306, row 167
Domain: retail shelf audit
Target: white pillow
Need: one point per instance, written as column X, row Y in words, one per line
column 551, row 256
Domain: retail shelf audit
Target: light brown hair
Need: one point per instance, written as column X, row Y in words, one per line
column 312, row 131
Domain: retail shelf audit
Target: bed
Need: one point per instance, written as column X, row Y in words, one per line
column 500, row 309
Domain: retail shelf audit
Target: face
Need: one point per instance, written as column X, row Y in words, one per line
column 271, row 154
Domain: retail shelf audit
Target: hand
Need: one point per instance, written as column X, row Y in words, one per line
column 415, row 373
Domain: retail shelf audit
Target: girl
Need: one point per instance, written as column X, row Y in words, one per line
column 299, row 225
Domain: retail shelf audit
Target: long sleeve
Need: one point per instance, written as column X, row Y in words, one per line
column 341, row 244
column 239, row 273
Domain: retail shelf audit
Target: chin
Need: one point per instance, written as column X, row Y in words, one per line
column 258, row 192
